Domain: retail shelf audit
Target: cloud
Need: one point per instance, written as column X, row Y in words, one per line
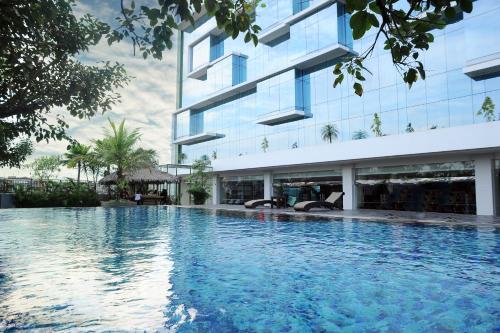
column 147, row 102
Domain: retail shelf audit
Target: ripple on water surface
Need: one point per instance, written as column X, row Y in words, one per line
column 192, row 270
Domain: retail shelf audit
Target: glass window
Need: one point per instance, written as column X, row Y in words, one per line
column 305, row 186
column 238, row 190
column 196, row 123
column 481, row 33
column 182, row 124
column 216, row 47
column 440, row 187
column 200, row 53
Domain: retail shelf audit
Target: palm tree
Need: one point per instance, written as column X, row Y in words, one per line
column 76, row 158
column 329, row 132
column 117, row 149
column 359, row 135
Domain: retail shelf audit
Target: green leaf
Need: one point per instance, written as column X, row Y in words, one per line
column 255, row 40
column 374, row 8
column 466, row 5
column 358, row 89
column 360, row 24
column 357, row 4
column 450, row 13
column 338, row 80
column 373, row 20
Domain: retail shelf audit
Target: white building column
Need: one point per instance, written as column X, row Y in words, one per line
column 485, row 185
column 349, row 188
column 215, row 190
column 268, row 185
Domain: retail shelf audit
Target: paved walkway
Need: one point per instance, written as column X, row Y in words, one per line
column 370, row 214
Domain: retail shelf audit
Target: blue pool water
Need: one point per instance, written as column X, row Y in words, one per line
column 192, row 270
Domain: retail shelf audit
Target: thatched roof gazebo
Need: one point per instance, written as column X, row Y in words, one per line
column 141, row 176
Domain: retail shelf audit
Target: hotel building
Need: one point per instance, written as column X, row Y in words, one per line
column 259, row 112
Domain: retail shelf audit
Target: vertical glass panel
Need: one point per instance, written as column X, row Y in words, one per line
column 461, row 112
column 481, row 33
column 182, row 124
column 417, row 116
column 438, row 115
column 196, row 123
column 200, row 53
column 216, row 47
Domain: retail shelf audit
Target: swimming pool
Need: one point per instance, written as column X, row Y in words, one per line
column 194, row 270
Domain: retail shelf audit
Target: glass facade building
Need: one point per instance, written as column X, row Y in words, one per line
column 235, row 96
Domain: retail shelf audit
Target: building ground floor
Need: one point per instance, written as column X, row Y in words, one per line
column 439, row 171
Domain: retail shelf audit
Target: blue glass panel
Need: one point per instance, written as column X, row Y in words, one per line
column 196, row 123
column 216, row 47
column 438, row 114
column 461, row 112
column 481, row 32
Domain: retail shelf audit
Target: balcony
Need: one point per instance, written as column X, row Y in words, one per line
column 282, row 28
column 483, row 67
column 197, row 138
column 281, row 117
column 303, row 62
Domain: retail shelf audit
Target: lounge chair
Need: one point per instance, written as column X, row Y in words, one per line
column 328, row 203
column 257, row 202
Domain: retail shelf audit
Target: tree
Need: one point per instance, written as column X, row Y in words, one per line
column 95, row 165
column 199, row 180
column 409, row 128
column 359, row 135
column 13, row 153
column 40, row 71
column 376, row 125
column 118, row 149
column 487, row 109
column 46, row 167
column 77, row 157
column 182, row 157
column 214, row 155
column 404, row 25
column 329, row 132
column 264, row 145
column 406, row 29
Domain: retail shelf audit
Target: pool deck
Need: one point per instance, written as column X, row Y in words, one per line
column 370, row 214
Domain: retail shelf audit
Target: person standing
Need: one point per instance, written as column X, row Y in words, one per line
column 138, row 198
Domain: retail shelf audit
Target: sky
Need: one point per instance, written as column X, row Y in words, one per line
column 146, row 103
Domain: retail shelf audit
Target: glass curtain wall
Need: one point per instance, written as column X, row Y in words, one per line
column 305, row 186
column 447, row 97
column 239, row 189
column 441, row 187
column 321, row 29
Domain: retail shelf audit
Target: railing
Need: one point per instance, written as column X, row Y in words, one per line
column 8, row 185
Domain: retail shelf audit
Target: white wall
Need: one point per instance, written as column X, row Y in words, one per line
column 460, row 139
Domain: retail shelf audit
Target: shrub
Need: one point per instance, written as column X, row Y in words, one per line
column 54, row 194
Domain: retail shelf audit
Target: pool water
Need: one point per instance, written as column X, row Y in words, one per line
column 193, row 270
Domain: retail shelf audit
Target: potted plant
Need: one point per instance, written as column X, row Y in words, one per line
column 199, row 180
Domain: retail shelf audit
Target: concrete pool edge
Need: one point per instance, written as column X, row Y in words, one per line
column 367, row 215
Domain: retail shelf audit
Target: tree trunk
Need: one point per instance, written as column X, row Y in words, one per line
column 78, row 177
